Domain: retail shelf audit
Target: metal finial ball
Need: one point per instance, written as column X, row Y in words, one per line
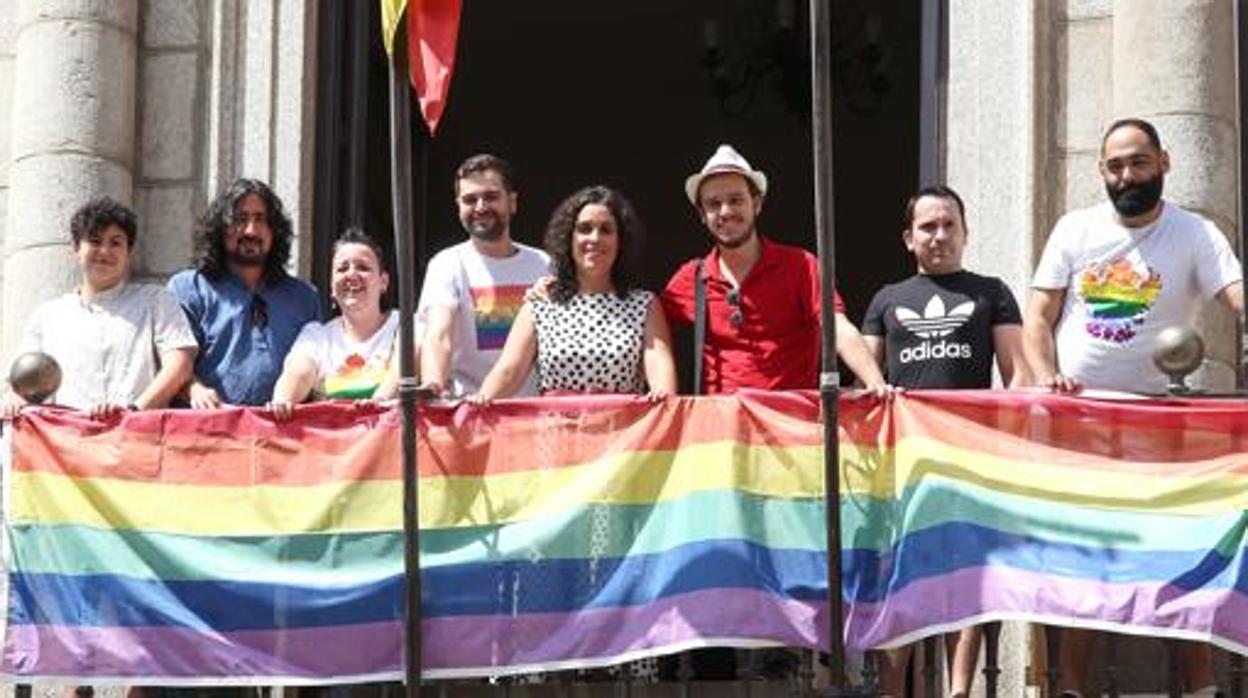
column 35, row 376
column 1179, row 351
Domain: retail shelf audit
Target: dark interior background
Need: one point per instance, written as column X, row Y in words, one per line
column 629, row 94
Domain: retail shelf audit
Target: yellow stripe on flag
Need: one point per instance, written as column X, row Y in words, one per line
column 391, row 15
column 637, row 477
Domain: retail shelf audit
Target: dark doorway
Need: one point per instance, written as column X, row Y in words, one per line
column 637, row 95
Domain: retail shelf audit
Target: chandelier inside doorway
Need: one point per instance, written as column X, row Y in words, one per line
column 764, row 47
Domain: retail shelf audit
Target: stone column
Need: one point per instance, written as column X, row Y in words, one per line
column 262, row 100
column 72, row 139
column 998, row 123
column 1174, row 65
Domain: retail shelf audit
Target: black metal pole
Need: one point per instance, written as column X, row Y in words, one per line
column 401, row 193
column 829, row 378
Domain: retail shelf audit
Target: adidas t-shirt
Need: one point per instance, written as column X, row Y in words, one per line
column 937, row 330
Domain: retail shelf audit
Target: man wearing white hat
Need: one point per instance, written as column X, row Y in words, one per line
column 759, row 300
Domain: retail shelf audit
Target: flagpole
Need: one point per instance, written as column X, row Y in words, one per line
column 829, row 378
column 401, row 194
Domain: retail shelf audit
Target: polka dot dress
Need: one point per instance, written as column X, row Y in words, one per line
column 592, row 343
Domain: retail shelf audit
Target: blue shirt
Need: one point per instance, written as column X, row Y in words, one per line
column 243, row 336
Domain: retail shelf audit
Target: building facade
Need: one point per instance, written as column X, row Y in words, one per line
column 159, row 103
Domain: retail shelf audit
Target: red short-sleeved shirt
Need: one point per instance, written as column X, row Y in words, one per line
column 778, row 343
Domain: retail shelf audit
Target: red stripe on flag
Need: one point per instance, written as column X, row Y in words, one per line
column 432, row 31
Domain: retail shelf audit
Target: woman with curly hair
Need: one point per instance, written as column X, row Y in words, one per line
column 596, row 333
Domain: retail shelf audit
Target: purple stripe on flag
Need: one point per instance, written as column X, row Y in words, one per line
column 152, row 654
column 536, row 639
column 1144, row 608
column 464, row 645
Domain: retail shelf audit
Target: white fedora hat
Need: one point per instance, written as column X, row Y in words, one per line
column 725, row 159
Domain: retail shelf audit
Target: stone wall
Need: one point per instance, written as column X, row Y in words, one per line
column 172, row 124
column 8, row 57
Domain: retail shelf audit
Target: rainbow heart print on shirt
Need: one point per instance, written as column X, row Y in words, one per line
column 356, row 378
column 1117, row 297
column 494, row 308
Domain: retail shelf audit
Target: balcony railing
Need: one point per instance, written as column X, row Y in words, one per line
column 185, row 548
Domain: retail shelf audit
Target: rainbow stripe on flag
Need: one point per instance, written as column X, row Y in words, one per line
column 966, row 506
column 200, row 548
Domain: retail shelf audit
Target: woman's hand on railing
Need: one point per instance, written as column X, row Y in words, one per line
column 657, row 395
column 201, row 397
column 106, row 410
column 282, row 411
column 478, row 399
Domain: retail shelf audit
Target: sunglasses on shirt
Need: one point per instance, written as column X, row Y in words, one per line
column 734, row 300
column 259, row 312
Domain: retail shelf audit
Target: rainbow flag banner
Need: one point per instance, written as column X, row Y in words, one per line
column 190, row 548
column 965, row 506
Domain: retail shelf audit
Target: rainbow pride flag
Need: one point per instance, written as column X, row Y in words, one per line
column 966, row 506
column 199, row 548
column 194, row 548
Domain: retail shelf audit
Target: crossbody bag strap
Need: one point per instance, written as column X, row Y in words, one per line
column 699, row 325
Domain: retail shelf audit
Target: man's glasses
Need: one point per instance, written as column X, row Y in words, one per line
column 241, row 219
column 734, row 299
column 259, row 312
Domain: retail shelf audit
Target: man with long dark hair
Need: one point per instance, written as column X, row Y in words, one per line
column 245, row 308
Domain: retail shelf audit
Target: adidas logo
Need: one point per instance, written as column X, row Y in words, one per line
column 935, row 323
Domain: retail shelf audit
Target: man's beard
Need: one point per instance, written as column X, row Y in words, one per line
column 736, row 242
column 239, row 257
column 490, row 232
column 1136, row 199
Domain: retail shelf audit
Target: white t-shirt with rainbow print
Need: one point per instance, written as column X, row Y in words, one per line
column 347, row 369
column 487, row 294
column 1125, row 285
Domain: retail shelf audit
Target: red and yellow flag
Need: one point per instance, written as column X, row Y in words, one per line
column 432, row 31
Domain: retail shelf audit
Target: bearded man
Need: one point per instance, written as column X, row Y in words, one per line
column 1114, row 275
column 1111, row 278
column 243, row 306
column 474, row 289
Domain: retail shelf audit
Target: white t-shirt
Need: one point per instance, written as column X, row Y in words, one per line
column 109, row 349
column 486, row 293
column 345, row 368
column 1125, row 285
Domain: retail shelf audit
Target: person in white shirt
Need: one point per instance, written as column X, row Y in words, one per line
column 120, row 345
column 1111, row 278
column 349, row 356
column 474, row 290
column 1115, row 275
